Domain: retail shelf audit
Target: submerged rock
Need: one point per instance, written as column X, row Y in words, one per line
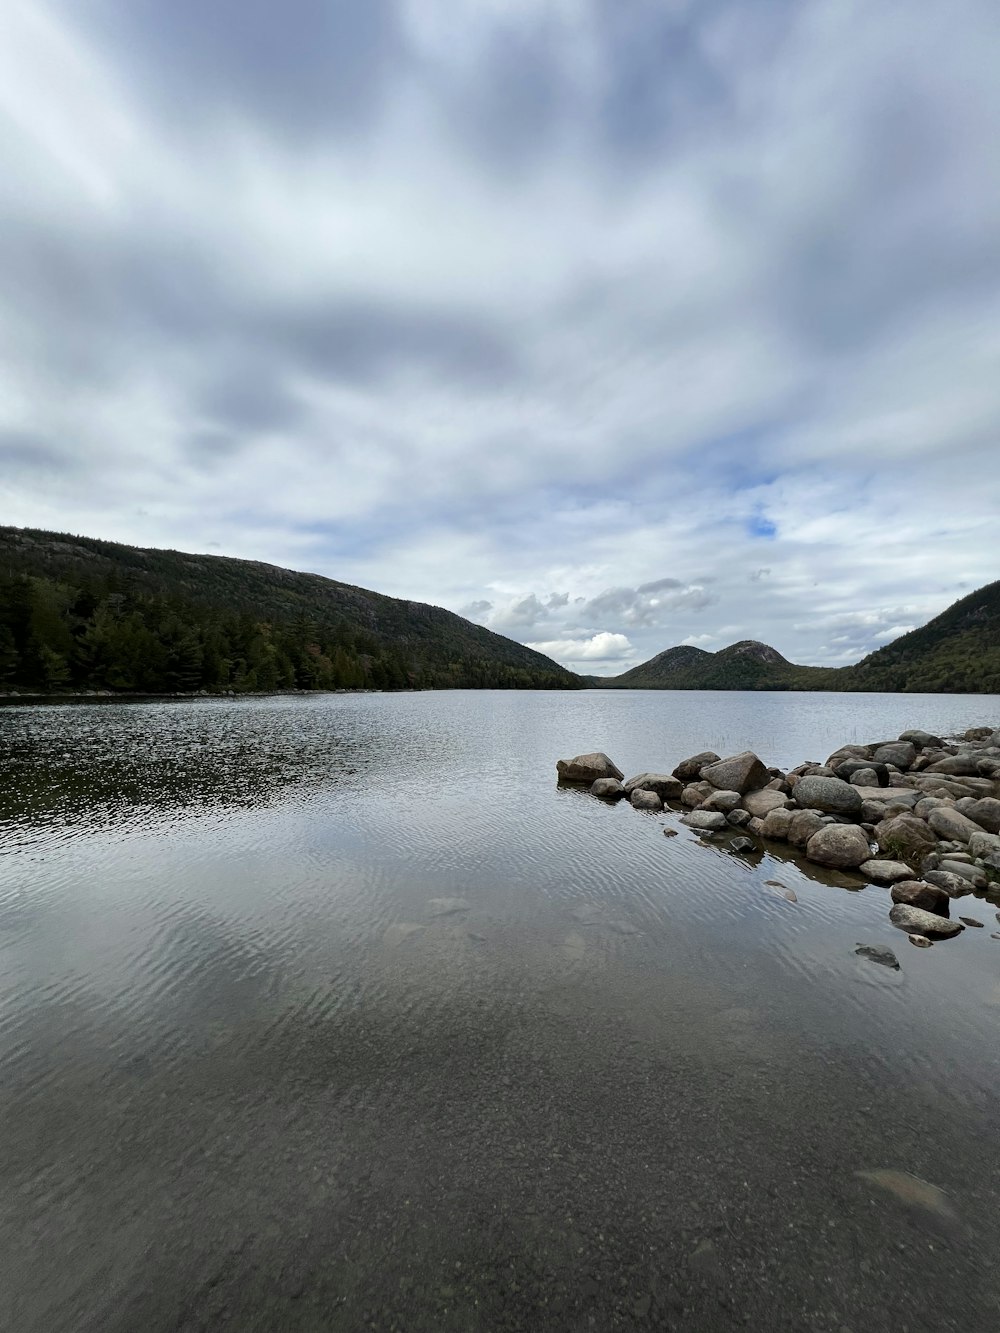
column 446, row 906
column 910, row 1189
column 744, row 845
column 877, row 954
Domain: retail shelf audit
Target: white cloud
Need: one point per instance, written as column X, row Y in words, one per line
column 601, row 647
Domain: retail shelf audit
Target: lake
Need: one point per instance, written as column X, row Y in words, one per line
column 334, row 1012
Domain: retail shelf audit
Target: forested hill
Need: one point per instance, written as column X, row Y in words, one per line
column 81, row 614
column 958, row 652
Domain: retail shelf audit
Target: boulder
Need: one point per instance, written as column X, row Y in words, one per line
column 696, row 792
column 779, row 784
column 921, row 739
column 777, row 822
column 955, row 886
column 666, row 787
column 928, row 803
column 740, row 772
column 645, row 800
column 587, row 768
column 710, row 820
column 804, row 824
column 885, row 872
column 950, row 824
column 985, row 812
column 840, row 845
column 864, row 777
column 978, row 734
column 831, row 795
column 988, row 767
column 849, row 767
column 761, row 803
column 918, row 922
column 915, row 893
column 739, row 818
column 690, row 768
column 905, row 837
column 609, row 789
column 900, row 753
column 982, row 844
column 755, row 826
column 972, row 874
column 848, row 752
column 956, row 765
column 721, row 800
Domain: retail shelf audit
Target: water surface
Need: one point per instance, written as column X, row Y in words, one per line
column 334, row 1012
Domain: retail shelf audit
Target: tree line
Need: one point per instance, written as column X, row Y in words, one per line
column 101, row 634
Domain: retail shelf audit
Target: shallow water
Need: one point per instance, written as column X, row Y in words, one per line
column 334, row 1012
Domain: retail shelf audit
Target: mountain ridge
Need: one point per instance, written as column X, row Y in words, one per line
column 84, row 613
column 957, row 651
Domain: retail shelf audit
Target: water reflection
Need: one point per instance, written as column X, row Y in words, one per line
column 337, row 1013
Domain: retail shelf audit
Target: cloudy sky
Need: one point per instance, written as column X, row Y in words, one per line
column 611, row 324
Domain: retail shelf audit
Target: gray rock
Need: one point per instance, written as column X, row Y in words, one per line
column 877, row 954
column 755, row 826
column 981, row 844
column 668, row 788
column 777, row 824
column 950, row 824
column 921, row 941
column 645, row 800
column 864, row 777
column 840, row 845
column 712, row 820
column 921, row 739
column 761, row 803
column 926, row 804
column 918, row 922
column 885, row 872
column 609, row 789
column 721, row 800
column 848, row 752
column 849, row 767
column 688, row 769
column 956, row 765
column 955, row 886
column 900, row 753
column 971, row 921
column 779, row 784
column 804, row 824
column 971, row 873
column 739, row 818
column 915, row 893
column 906, row 838
column 831, row 795
column 695, row 793
column 587, row 768
column 985, row 812
column 740, row 772
column 744, row 845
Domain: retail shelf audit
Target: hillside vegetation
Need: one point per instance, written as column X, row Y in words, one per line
column 82, row 614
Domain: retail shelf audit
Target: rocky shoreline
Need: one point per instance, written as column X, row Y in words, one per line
column 918, row 814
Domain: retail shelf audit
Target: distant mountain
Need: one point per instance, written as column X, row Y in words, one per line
column 79, row 613
column 957, row 652
column 747, row 665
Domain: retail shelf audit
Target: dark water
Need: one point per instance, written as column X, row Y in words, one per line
column 253, row 1076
